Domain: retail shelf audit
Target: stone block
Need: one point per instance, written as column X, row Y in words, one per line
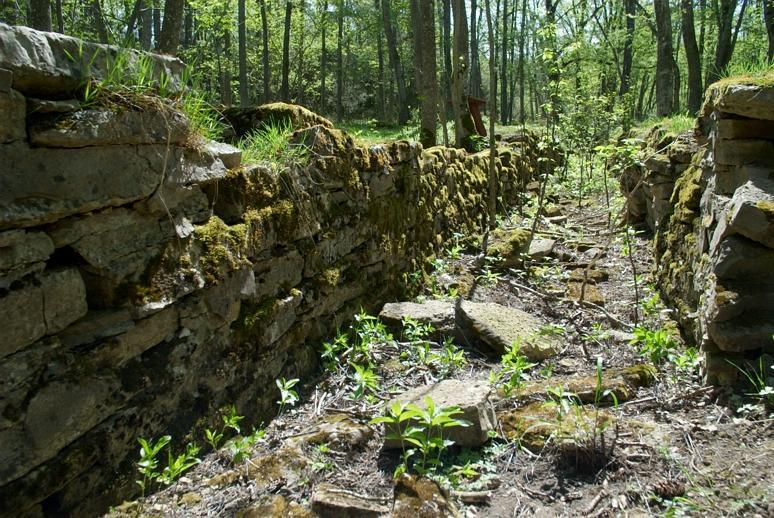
column 229, row 155
column 105, row 127
column 96, row 325
column 744, row 152
column 6, row 80
column 499, row 327
column 56, row 106
column 328, row 501
column 55, row 300
column 438, row 313
column 21, row 253
column 748, row 100
column 39, row 185
column 14, row 110
column 739, row 258
column 145, row 334
column 744, row 129
column 472, row 398
column 41, row 61
column 277, row 273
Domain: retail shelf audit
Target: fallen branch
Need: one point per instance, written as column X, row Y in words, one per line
column 593, row 504
column 472, row 497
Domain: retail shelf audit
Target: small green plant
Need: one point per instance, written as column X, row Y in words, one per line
column 655, row 345
column 760, row 382
column 366, row 381
column 334, row 350
column 451, row 357
column 239, row 447
column 288, row 396
column 272, row 145
column 423, row 429
column 514, row 371
column 686, row 361
column 415, row 331
column 488, row 278
column 551, row 330
column 177, row 465
column 230, row 421
column 148, row 463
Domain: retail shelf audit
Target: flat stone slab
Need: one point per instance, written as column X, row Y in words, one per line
column 587, row 293
column 333, row 502
column 541, row 248
column 472, row 397
column 500, row 326
column 438, row 313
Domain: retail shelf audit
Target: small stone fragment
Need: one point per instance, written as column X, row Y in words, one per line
column 421, row 497
column 331, row 502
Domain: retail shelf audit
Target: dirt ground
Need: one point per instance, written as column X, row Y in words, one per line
column 680, row 448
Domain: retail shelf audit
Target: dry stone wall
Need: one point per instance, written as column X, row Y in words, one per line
column 148, row 278
column 714, row 246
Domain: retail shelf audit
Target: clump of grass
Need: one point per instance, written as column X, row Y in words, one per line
column 755, row 68
column 272, row 145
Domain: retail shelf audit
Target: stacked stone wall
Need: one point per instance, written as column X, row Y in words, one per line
column 148, row 278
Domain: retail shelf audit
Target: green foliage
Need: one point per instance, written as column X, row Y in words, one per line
column 366, row 381
column 422, row 429
column 288, row 396
column 239, row 447
column 148, row 465
column 272, row 145
column 334, row 350
column 761, row 383
column 451, row 357
column 415, row 331
column 654, row 344
column 230, row 421
column 177, row 465
column 514, row 371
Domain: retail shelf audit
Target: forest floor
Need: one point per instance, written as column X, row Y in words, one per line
column 678, row 448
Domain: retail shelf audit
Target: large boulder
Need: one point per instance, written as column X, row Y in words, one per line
column 500, row 327
column 246, row 120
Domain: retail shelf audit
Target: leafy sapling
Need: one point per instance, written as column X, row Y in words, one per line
column 288, row 396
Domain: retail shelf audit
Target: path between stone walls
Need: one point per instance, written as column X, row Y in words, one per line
column 643, row 438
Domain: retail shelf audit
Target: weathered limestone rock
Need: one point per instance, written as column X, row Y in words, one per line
column 748, row 100
column 438, row 313
column 509, row 245
column 338, row 429
column 287, row 464
column 500, row 327
column 275, row 506
column 332, row 502
column 750, row 213
column 587, row 292
column 39, row 106
column 140, row 337
column 42, row 185
column 21, row 253
column 541, row 248
column 14, row 110
column 744, row 152
column 246, row 120
column 229, row 155
column 54, row 301
column 472, row 397
column 41, row 65
column 104, row 127
column 589, row 276
column 423, row 497
column 97, row 325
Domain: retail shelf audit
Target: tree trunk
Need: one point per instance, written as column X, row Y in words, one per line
column 464, row 128
column 723, row 49
column 59, row 16
column 265, row 54
column 415, row 90
column 768, row 15
column 146, row 25
column 187, row 26
column 170, row 30
column 553, row 65
column 323, row 57
column 492, row 177
column 475, row 60
column 665, row 79
column 447, row 60
column 40, row 15
column 630, row 7
column 381, row 100
column 692, row 57
column 522, row 39
column 99, row 22
column 300, row 51
column 225, row 93
column 340, row 60
column 285, row 87
column 156, row 22
column 132, row 22
column 504, row 67
column 392, row 47
column 428, row 75
column 244, row 96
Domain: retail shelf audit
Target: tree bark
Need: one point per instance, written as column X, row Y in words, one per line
column 665, row 79
column 59, row 16
column 265, row 54
column 475, row 60
column 40, row 15
column 428, row 75
column 244, row 95
column 492, row 177
column 381, row 99
column 156, row 22
column 225, row 92
column 99, row 22
column 768, row 16
column 504, row 67
column 169, row 38
column 146, row 25
column 340, row 60
column 397, row 68
column 415, row 89
column 692, row 56
column 630, row 7
column 553, row 65
column 522, row 39
column 464, row 128
column 725, row 21
column 323, row 56
column 285, row 86
column 447, row 60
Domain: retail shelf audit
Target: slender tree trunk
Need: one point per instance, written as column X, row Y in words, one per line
column 300, row 51
column 702, row 27
column 132, row 22
column 59, row 16
column 40, row 15
column 522, row 39
column 397, row 68
column 723, row 49
column 170, row 31
column 475, row 60
column 226, row 95
column 340, row 60
column 553, row 65
column 504, row 66
column 447, row 60
column 156, row 22
column 265, row 54
column 692, row 57
column 665, row 79
column 768, row 16
column 428, row 74
column 492, row 177
column 146, row 25
column 380, row 95
column 244, row 96
column 415, row 91
column 187, row 26
column 641, row 98
column 99, row 22
column 630, row 7
column 323, row 56
column 464, row 128
column 285, row 87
